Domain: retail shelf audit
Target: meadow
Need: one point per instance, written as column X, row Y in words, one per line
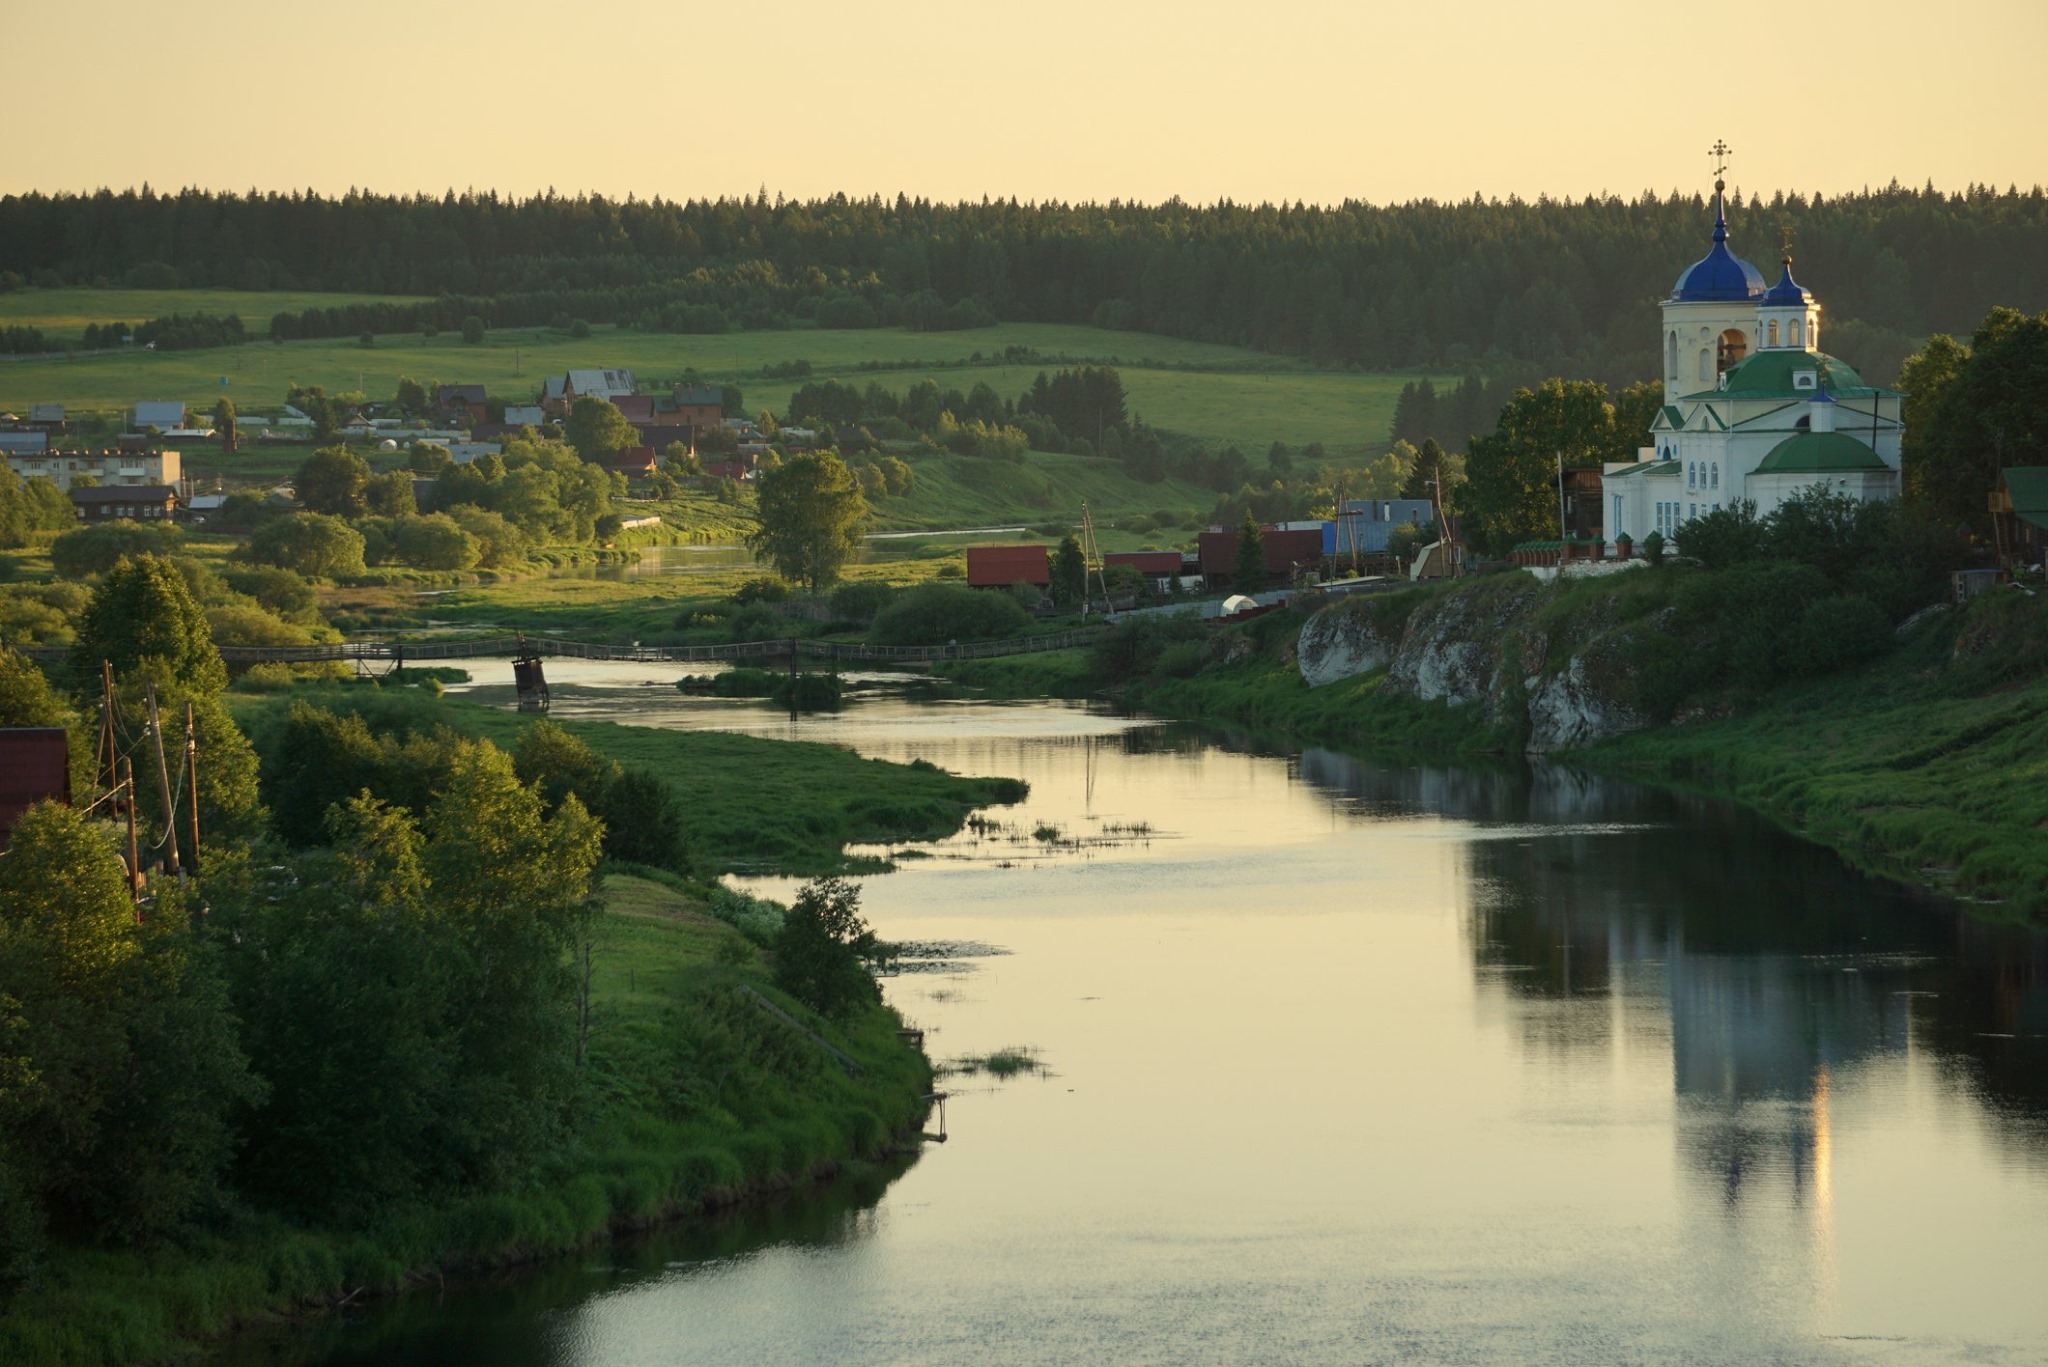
column 1215, row 393
column 63, row 313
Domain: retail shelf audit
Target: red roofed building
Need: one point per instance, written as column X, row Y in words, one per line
column 998, row 567
column 1285, row 552
column 35, row 766
column 637, row 408
column 635, row 462
column 1151, row 564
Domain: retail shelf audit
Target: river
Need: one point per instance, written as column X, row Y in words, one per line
column 1345, row 1062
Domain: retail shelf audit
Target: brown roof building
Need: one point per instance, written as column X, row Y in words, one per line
column 148, row 503
column 998, row 567
column 1285, row 551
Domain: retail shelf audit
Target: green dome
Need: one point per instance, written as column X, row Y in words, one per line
column 1820, row 453
column 1768, row 374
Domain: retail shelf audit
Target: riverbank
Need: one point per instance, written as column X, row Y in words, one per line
column 695, row 1097
column 748, row 804
column 1927, row 765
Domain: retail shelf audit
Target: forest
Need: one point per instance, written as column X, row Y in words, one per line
column 1569, row 284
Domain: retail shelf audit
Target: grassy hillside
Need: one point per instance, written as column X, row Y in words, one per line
column 955, row 491
column 1216, row 393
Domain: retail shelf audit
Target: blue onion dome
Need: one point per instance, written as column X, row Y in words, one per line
column 1787, row 293
column 1720, row 276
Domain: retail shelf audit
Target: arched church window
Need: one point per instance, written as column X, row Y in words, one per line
column 1715, row 471
column 1771, row 330
column 1796, row 333
column 1733, row 347
column 1671, row 354
column 1706, row 364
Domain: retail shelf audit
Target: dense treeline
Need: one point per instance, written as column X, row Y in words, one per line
column 23, row 341
column 372, row 1000
column 1568, row 283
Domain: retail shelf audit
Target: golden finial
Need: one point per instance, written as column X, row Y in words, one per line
column 1719, row 152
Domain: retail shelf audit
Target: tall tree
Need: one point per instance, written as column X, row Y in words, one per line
column 598, row 430
column 1248, row 566
column 1971, row 413
column 143, row 620
column 812, row 515
column 332, row 480
column 224, row 425
column 1069, row 572
column 1511, row 491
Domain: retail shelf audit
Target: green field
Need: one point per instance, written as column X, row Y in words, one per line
column 961, row 491
column 1216, row 393
column 63, row 314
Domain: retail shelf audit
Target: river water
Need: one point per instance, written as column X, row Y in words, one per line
column 1353, row 1063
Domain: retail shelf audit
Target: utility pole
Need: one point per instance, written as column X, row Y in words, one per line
column 134, row 865
column 192, row 786
column 1562, row 529
column 163, row 783
column 105, row 757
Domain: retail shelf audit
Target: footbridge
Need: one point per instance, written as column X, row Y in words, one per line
column 397, row 654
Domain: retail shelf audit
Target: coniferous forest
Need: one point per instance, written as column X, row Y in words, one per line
column 1566, row 284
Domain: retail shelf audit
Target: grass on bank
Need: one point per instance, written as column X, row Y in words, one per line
column 694, row 1096
column 1927, row 766
column 749, row 804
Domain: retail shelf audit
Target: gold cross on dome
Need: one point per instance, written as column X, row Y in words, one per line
column 1719, row 152
column 1785, row 240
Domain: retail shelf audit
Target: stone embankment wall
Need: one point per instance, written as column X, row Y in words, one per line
column 1552, row 672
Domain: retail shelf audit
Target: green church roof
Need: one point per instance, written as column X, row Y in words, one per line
column 1647, row 467
column 1768, row 375
column 1817, row 453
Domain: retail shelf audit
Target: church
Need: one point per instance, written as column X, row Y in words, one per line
column 1753, row 408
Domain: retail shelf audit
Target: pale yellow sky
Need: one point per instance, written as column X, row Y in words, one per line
column 1066, row 99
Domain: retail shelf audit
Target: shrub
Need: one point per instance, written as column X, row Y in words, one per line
column 821, row 948
column 860, row 600
column 762, row 589
column 935, row 614
column 312, row 544
column 95, row 550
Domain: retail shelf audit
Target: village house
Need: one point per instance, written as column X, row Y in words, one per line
column 126, row 466
column 1287, row 551
column 635, row 462
column 459, row 402
column 166, row 415
column 1364, row 526
column 1161, row 569
column 147, row 503
column 697, row 406
column 560, row 392
column 2019, row 515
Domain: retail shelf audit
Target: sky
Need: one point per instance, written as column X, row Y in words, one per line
column 1063, row 99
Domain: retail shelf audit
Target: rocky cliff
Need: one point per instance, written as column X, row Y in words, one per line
column 1551, row 669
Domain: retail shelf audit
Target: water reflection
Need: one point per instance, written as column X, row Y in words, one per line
column 1359, row 1062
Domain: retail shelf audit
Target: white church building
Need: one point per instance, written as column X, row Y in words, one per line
column 1753, row 408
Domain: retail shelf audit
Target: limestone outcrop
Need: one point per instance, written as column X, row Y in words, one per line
column 1485, row 643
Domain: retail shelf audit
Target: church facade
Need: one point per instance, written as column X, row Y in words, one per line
column 1753, row 408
